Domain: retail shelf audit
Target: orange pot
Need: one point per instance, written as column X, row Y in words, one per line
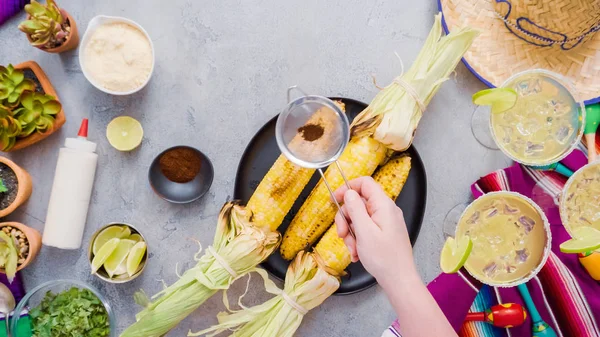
column 34, row 238
column 48, row 89
column 24, row 186
column 72, row 40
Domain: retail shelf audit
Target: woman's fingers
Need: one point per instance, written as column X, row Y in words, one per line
column 351, row 244
column 356, row 209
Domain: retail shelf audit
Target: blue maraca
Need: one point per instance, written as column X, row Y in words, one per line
column 539, row 327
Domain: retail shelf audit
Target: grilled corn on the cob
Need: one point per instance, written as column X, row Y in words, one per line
column 391, row 177
column 284, row 182
column 360, row 158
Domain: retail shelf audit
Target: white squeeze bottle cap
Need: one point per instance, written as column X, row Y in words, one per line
column 71, row 192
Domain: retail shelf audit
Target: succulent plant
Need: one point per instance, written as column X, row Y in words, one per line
column 10, row 128
column 46, row 26
column 36, row 112
column 12, row 85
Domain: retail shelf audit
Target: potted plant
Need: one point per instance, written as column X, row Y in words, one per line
column 29, row 108
column 19, row 245
column 15, row 186
column 49, row 27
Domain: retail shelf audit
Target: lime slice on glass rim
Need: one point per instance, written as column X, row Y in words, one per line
column 455, row 253
column 124, row 133
column 500, row 99
column 104, row 253
column 111, row 265
column 119, row 232
column 584, row 239
column 135, row 257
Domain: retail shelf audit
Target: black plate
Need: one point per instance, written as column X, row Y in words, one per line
column 262, row 152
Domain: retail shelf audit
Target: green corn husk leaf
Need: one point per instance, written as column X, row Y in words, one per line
column 10, row 267
column 305, row 283
column 238, row 241
column 393, row 115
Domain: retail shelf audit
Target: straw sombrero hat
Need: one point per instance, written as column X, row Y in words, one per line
column 558, row 35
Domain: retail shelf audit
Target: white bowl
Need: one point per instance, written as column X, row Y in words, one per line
column 92, row 26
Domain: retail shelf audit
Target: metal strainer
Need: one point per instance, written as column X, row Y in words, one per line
column 313, row 132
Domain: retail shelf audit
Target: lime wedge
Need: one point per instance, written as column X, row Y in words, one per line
column 500, row 99
column 585, row 239
column 135, row 257
column 124, row 133
column 455, row 253
column 103, row 254
column 121, row 269
column 135, row 237
column 108, row 233
column 118, row 256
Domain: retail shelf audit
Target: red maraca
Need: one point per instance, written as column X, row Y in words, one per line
column 504, row 315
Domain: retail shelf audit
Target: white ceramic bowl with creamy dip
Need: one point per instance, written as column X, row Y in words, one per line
column 94, row 24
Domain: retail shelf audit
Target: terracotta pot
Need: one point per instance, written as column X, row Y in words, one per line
column 24, row 186
column 48, row 89
column 33, row 237
column 72, row 40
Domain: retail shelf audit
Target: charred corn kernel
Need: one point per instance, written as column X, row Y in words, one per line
column 284, row 182
column 360, row 158
column 391, row 177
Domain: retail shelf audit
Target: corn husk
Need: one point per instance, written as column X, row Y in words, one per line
column 305, row 283
column 238, row 241
column 394, row 114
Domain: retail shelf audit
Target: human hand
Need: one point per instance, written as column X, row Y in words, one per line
column 382, row 243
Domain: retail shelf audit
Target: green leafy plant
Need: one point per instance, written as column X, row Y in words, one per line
column 3, row 188
column 74, row 312
column 12, row 85
column 46, row 26
column 10, row 128
column 36, row 113
column 8, row 255
column 22, row 109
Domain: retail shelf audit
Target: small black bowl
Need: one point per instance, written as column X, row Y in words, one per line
column 181, row 193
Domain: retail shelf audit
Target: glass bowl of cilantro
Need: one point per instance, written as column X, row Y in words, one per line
column 63, row 308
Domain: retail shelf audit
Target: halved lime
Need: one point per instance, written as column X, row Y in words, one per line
column 104, row 253
column 135, row 237
column 124, row 133
column 585, row 239
column 119, row 232
column 135, row 257
column 500, row 99
column 455, row 253
column 118, row 256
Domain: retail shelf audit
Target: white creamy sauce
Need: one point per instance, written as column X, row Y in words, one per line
column 118, row 57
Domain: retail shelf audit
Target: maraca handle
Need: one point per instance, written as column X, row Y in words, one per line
column 535, row 315
column 475, row 316
column 565, row 171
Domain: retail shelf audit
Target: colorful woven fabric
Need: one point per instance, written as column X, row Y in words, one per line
column 8, row 8
column 567, row 298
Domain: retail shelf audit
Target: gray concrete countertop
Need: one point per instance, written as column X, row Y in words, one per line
column 222, row 69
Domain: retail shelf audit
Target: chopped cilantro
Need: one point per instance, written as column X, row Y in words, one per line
column 74, row 312
column 3, row 188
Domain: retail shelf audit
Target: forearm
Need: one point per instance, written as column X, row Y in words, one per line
column 418, row 313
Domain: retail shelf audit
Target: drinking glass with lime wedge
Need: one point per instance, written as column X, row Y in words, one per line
column 533, row 118
column 502, row 239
